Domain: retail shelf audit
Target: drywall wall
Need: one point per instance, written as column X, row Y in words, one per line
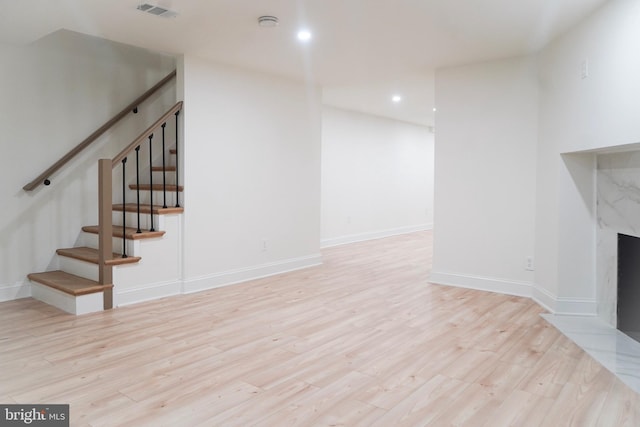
column 588, row 93
column 377, row 177
column 589, row 99
column 485, row 156
column 251, row 175
column 55, row 92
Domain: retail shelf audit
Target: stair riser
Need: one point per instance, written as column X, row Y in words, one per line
column 71, row 304
column 89, row 270
column 145, row 179
column 131, row 219
column 133, row 246
column 157, row 178
column 158, row 199
column 91, row 240
column 78, row 267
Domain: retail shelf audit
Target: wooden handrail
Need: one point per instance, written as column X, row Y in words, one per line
column 91, row 138
column 144, row 135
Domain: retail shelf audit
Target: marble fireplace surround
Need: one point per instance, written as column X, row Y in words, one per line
column 617, row 211
column 617, row 182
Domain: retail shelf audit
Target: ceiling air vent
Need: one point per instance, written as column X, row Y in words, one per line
column 157, row 10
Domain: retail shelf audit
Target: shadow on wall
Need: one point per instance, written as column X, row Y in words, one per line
column 581, row 167
column 59, row 90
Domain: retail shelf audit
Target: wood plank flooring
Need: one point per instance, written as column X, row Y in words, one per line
column 363, row 340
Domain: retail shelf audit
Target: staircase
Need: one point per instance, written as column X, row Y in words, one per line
column 84, row 282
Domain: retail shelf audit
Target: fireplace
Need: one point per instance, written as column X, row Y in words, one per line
column 613, row 338
column 617, row 250
column 628, row 308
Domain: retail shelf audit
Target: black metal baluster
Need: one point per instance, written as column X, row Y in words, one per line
column 164, row 172
column 138, row 187
column 124, row 210
column 151, row 180
column 177, row 163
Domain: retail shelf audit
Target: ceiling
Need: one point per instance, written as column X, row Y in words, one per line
column 362, row 51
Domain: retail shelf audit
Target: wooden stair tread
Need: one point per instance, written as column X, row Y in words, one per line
column 147, row 209
column 166, row 168
column 156, row 187
column 130, row 232
column 84, row 253
column 68, row 283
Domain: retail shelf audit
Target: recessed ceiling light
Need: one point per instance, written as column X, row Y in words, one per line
column 304, row 35
column 268, row 21
column 396, row 98
column 435, row 109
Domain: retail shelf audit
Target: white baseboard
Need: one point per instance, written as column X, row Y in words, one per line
column 565, row 306
column 371, row 235
column 17, row 291
column 550, row 302
column 122, row 297
column 245, row 274
column 544, row 298
column 521, row 289
column 576, row 307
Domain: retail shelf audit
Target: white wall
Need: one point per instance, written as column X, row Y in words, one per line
column 252, row 174
column 54, row 93
column 577, row 115
column 485, row 154
column 377, row 177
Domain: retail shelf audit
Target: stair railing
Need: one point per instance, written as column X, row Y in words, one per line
column 105, row 196
column 44, row 177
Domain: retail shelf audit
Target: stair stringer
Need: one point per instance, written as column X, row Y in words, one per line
column 159, row 272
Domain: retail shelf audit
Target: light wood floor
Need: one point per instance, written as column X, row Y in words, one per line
column 362, row 340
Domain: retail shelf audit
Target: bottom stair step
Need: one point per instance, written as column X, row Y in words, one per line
column 68, row 283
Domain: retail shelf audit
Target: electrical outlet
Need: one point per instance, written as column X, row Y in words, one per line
column 528, row 263
column 264, row 245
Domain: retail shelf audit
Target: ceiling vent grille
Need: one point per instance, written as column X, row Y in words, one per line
column 157, row 10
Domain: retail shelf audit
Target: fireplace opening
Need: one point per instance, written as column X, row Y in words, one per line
column 629, row 285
